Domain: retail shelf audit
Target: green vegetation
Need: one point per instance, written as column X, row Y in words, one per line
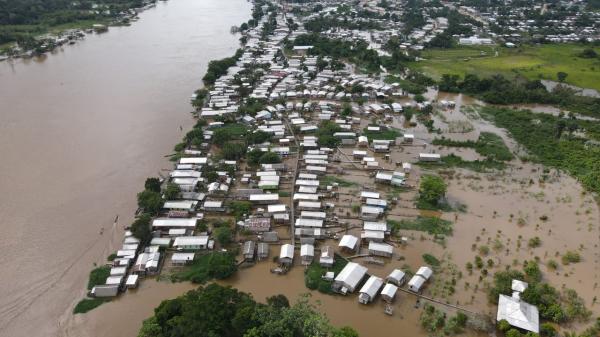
column 384, row 134
column 570, row 257
column 150, row 201
column 22, row 20
column 239, row 208
column 330, row 180
column 531, row 62
column 98, row 276
column 228, row 132
column 218, row 68
column 223, row 235
column 431, row 260
column 256, row 157
column 431, row 192
column 152, row 184
column 216, row 310
column 551, row 140
column 434, row 321
column 325, row 134
column 140, row 228
column 172, row 191
column 554, row 305
column 313, row 275
column 431, row 225
column 88, row 304
column 215, row 265
column 489, row 145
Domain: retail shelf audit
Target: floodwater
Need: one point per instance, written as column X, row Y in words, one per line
column 80, row 130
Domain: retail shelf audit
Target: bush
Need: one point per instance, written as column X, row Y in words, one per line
column 547, row 330
column 570, row 257
column 503, row 325
column 98, row 276
column 152, row 184
column 431, row 260
column 431, row 190
column 223, row 235
column 88, row 304
column 215, row 265
column 534, row 242
column 150, row 201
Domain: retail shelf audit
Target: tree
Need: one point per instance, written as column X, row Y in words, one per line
column 512, row 333
column 233, row 151
column 345, row 331
column 431, row 190
column 223, row 235
column 253, row 157
column 547, row 330
column 150, row 201
column 270, row 158
column 140, row 228
column 239, row 208
column 172, row 191
column 562, row 76
column 152, row 184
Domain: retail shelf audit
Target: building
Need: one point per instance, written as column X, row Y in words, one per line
column 430, row 157
column 369, row 289
column 169, row 223
column 517, row 313
column 263, row 250
column 181, row 259
column 106, row 290
column 191, row 242
column 418, row 280
column 327, row 257
column 397, row 277
column 389, row 292
column 380, row 249
column 349, row 278
column 258, row 224
column 307, row 254
column 286, row 254
column 248, row 250
column 349, row 243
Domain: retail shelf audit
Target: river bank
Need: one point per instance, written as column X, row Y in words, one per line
column 98, row 117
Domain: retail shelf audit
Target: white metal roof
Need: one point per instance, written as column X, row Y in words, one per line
column 519, row 286
column 518, row 313
column 381, row 247
column 348, row 241
column 374, row 226
column 372, row 286
column 276, row 208
column 132, row 280
column 351, row 274
column 425, row 272
column 389, row 290
column 179, row 257
column 396, row 275
column 170, row 222
column 191, row 241
column 306, row 196
column 367, row 194
column 180, row 204
column 303, row 222
column 287, row 251
column 416, row 282
column 264, row 197
column 313, row 215
column 307, row 250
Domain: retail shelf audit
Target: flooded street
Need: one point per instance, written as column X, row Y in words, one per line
column 80, row 130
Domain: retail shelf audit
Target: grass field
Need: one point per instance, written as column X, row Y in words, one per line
column 532, row 62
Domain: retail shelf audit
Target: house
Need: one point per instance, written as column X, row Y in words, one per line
column 304, row 222
column 389, row 292
column 248, row 250
column 132, row 281
column 327, row 257
column 370, row 212
column 518, row 313
column 349, row 278
column 181, row 259
column 307, row 254
column 369, row 289
column 377, row 236
column 168, row 223
column 269, row 237
column 430, row 157
column 263, row 250
column 191, row 242
column 106, row 290
column 418, row 280
column 257, row 224
column 264, row 199
column 380, row 249
column 349, row 243
column 286, row 254
column 397, row 277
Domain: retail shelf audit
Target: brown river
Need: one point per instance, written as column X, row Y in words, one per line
column 80, row 130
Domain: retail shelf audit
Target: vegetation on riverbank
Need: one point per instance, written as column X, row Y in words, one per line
column 431, row 225
column 98, row 276
column 88, row 304
column 216, row 310
column 554, row 141
column 488, row 145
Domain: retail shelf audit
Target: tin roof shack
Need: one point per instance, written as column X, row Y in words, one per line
column 286, row 254
column 105, row 290
column 430, row 157
column 349, row 243
column 307, row 254
column 248, row 250
column 169, row 223
column 381, row 249
column 132, row 281
column 397, row 277
column 262, row 251
column 416, row 282
column 264, row 199
column 371, row 212
column 518, row 313
column 180, row 259
column 389, row 292
column 191, row 242
column 327, row 257
column 349, row 278
column 369, row 289
column 269, row 236
column 258, row 224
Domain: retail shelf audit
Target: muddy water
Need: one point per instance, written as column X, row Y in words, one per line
column 80, row 130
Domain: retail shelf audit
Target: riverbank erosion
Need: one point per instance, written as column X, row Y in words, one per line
column 80, row 133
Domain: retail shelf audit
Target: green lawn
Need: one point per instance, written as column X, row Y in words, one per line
column 532, row 62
